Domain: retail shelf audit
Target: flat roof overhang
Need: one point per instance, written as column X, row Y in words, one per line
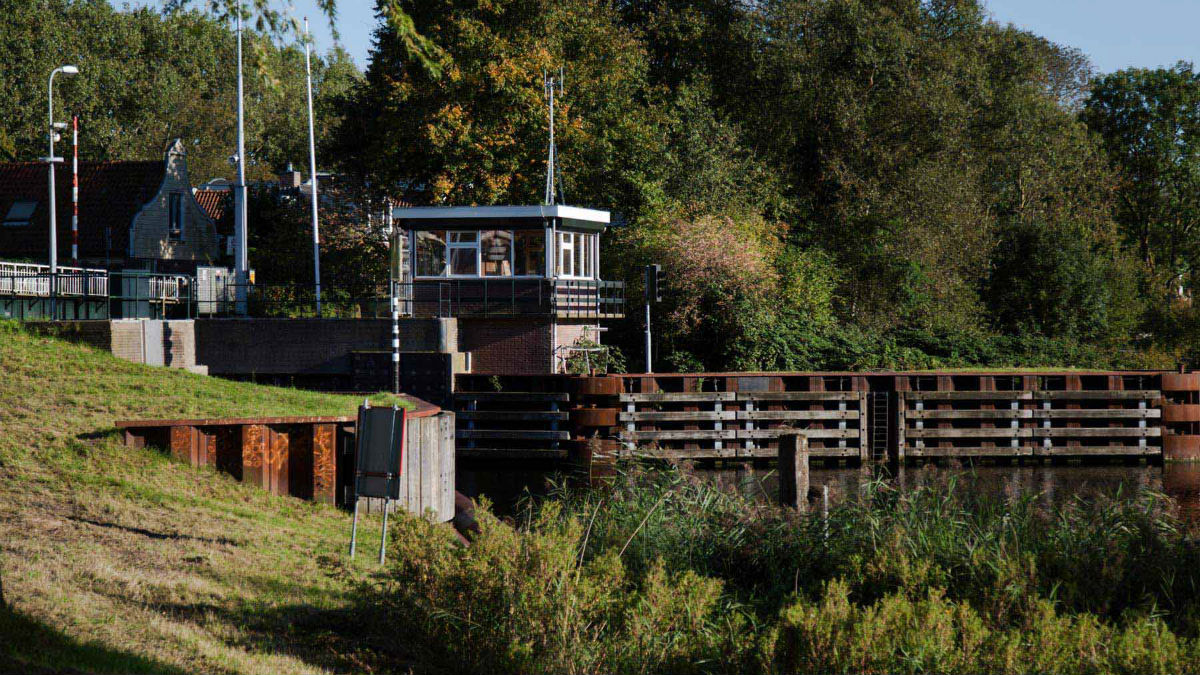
column 500, row 217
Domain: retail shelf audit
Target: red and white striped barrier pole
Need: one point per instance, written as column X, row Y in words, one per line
column 75, row 190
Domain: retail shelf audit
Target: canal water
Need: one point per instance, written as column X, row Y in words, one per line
column 1052, row 485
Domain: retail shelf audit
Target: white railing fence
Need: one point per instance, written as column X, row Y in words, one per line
column 30, row 279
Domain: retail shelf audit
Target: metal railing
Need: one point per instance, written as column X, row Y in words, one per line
column 501, row 297
column 33, row 280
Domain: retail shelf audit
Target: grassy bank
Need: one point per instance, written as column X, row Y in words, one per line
column 119, row 560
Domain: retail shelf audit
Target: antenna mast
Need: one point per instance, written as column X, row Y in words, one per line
column 551, row 83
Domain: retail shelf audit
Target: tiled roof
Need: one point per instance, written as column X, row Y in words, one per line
column 110, row 195
column 218, row 204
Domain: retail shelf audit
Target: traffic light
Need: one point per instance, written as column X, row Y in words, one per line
column 654, row 283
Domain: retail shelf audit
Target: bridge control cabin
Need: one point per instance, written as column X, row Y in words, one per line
column 507, row 271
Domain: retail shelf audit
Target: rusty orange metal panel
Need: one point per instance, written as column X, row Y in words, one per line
column 275, row 469
column 324, row 463
column 182, row 444
column 254, row 455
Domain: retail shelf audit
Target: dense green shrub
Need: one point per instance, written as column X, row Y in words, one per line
column 664, row 573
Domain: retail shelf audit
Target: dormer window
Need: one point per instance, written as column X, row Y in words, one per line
column 20, row 214
column 175, row 217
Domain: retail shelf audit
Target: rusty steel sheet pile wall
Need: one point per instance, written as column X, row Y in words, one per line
column 856, row 417
column 309, row 457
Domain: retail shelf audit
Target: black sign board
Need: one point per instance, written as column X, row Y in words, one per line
column 380, row 454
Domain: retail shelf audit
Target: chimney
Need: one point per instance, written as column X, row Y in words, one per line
column 290, row 178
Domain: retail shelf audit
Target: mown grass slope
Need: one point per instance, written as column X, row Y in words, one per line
column 121, row 560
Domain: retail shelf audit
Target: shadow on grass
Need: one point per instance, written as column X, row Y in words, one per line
column 341, row 640
column 151, row 534
column 29, row 646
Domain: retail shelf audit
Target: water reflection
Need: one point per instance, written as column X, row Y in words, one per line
column 504, row 485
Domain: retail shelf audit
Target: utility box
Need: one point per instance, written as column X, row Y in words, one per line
column 213, row 289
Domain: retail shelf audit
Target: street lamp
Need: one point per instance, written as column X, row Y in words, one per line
column 52, row 160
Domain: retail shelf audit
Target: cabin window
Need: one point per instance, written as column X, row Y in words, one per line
column 496, row 250
column 20, row 214
column 576, row 255
column 431, row 253
column 486, row 253
column 530, row 253
column 566, row 254
column 464, row 254
column 175, row 217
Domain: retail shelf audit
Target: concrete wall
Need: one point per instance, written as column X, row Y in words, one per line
column 308, row 346
column 126, row 339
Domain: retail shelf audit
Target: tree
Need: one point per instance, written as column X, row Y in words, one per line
column 147, row 78
column 1149, row 121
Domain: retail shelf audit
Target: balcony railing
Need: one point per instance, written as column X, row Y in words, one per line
column 483, row 297
column 35, row 281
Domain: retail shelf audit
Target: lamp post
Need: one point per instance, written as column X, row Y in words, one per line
column 52, row 160
column 312, row 166
column 241, row 262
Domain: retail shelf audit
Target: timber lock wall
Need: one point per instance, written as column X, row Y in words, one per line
column 856, row 417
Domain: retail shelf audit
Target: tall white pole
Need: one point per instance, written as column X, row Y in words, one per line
column 312, row 168
column 75, row 190
column 239, row 192
column 53, row 210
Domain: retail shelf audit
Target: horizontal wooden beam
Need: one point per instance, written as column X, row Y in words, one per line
column 968, row 395
column 514, row 396
column 799, row 395
column 998, row 451
column 999, row 432
column 689, row 416
column 511, row 415
column 678, row 397
column 1135, row 413
column 1096, row 450
column 513, row 434
column 509, row 453
column 807, row 433
column 1097, row 395
column 1104, row 432
column 798, row 415
column 968, row 414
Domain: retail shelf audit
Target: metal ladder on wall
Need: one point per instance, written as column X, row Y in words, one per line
column 879, row 425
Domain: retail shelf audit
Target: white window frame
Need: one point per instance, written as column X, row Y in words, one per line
column 589, row 242
column 452, row 245
column 477, row 245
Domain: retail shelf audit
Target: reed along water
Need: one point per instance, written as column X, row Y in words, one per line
column 1051, row 484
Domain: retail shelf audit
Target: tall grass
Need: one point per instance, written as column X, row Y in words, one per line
column 665, row 574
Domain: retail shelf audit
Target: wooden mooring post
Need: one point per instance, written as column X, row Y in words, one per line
column 793, row 470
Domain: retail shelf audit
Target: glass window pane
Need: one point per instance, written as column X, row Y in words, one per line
column 530, row 252
column 431, row 254
column 580, row 254
column 462, row 237
column 463, row 261
column 496, row 247
column 566, row 254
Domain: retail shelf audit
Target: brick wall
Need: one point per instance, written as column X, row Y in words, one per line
column 127, row 340
column 148, row 236
column 508, row 346
column 306, row 346
column 92, row 333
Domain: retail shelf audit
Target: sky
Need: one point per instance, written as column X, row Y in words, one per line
column 1114, row 33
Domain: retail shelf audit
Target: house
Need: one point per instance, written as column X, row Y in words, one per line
column 132, row 215
column 523, row 282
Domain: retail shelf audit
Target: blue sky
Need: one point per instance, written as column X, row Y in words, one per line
column 1115, row 33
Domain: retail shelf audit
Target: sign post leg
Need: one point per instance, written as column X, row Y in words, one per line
column 354, row 525
column 387, row 502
